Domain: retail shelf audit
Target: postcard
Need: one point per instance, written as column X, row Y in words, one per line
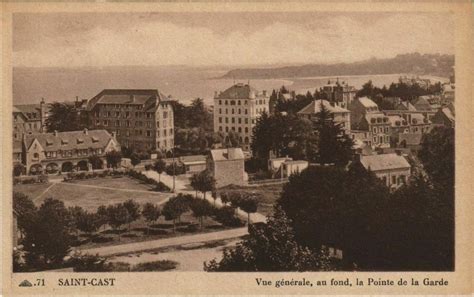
column 240, row 148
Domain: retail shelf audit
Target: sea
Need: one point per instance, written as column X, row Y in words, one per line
column 183, row 83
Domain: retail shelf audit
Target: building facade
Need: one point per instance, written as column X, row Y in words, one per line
column 29, row 118
column 361, row 107
column 237, row 109
column 339, row 93
column 142, row 120
column 227, row 167
column 393, row 169
column 65, row 151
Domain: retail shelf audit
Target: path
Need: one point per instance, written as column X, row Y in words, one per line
column 116, row 189
column 44, row 192
column 182, row 187
column 165, row 242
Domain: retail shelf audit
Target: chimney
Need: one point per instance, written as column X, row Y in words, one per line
column 42, row 101
column 86, row 132
column 77, row 98
column 55, row 133
column 231, row 153
column 113, row 134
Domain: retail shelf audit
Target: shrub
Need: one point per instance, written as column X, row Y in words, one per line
column 154, row 231
column 102, row 239
column 226, row 216
column 162, row 265
column 88, row 263
column 148, row 167
column 161, row 187
column 117, row 266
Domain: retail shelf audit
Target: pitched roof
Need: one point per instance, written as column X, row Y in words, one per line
column 227, row 154
column 393, row 119
column 366, row 102
column 448, row 113
column 70, row 140
column 239, row 91
column 315, row 107
column 30, row 111
column 405, row 106
column 126, row 96
column 384, row 162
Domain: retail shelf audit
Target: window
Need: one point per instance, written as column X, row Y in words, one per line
column 246, row 130
column 232, row 111
column 380, row 130
column 375, row 139
column 226, row 102
column 384, row 179
column 240, row 130
column 164, row 134
column 394, row 179
column 246, row 111
column 402, row 179
column 158, row 124
column 233, row 120
column 238, row 102
column 240, row 120
column 117, row 123
column 226, row 111
column 220, row 120
column 375, row 130
column 165, row 114
column 220, row 110
column 106, row 122
column 226, row 129
column 220, row 128
column 246, row 121
column 386, row 129
column 220, row 103
column 226, row 120
column 148, row 133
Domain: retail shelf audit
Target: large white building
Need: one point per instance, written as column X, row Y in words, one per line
column 237, row 109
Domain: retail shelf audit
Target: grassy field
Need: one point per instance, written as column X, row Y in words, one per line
column 268, row 196
column 82, row 193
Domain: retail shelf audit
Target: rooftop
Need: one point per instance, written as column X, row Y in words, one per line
column 227, row 154
column 126, row 96
column 366, row 102
column 239, row 91
column 193, row 159
column 384, row 162
column 70, row 140
column 315, row 107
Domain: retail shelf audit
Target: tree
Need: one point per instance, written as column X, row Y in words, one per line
column 88, row 222
column 271, row 247
column 63, row 117
column 117, row 216
column 135, row 159
column 201, row 208
column 175, row 207
column 151, row 212
column 133, row 209
column 47, row 240
column 19, row 169
column 334, row 207
column 102, row 215
column 334, row 145
column 96, row 162
column 225, row 197
column 26, row 211
column 203, row 182
column 437, row 155
column 249, row 203
column 159, row 167
column 113, row 158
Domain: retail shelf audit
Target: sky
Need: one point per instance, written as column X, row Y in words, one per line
column 230, row 39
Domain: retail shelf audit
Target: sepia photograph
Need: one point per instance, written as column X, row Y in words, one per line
column 233, row 141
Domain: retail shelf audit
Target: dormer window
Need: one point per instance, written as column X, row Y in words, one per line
column 80, row 140
column 64, row 141
column 95, row 139
column 49, row 143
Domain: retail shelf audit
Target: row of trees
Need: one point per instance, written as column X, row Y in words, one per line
column 411, row 229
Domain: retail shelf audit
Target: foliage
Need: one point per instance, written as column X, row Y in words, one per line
column 201, row 208
column 292, row 106
column 117, row 215
column 334, row 207
column 249, row 203
column 175, row 207
column 400, row 89
column 47, row 240
column 133, row 210
column 26, row 211
column 88, row 263
column 135, row 159
column 334, row 145
column 161, row 265
column 437, row 155
column 284, row 135
column 113, row 158
column 175, row 169
column 151, row 212
column 159, row 166
column 64, row 117
column 270, row 247
column 226, row 216
column 203, row 182
column 19, row 169
column 96, row 162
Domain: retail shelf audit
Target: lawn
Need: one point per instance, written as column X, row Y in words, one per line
column 81, row 193
column 268, row 195
column 31, row 190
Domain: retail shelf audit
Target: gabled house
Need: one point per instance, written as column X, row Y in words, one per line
column 340, row 115
column 227, row 167
column 393, row 169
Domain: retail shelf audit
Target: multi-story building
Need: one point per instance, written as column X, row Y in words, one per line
column 393, row 169
column 340, row 115
column 141, row 119
column 29, row 118
column 339, row 93
column 227, row 167
column 65, row 151
column 237, row 109
column 379, row 126
column 359, row 108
